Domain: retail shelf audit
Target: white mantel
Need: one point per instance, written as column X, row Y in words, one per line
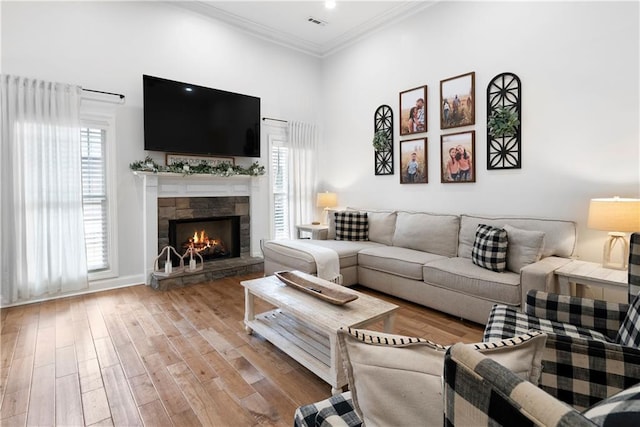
column 164, row 184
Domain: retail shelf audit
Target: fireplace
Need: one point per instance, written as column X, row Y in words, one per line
column 223, row 221
column 211, row 237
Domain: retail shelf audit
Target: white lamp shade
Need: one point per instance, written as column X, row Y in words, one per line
column 614, row 214
column 327, row 200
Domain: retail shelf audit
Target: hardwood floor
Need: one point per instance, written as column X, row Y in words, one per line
column 135, row 356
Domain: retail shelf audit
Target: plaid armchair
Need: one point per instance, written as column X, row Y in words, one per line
column 583, row 363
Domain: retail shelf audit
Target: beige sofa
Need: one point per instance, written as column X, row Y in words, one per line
column 426, row 258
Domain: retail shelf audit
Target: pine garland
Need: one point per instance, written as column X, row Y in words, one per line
column 223, row 169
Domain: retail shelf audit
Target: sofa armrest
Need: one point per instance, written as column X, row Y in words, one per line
column 323, row 234
column 599, row 315
column 539, row 276
column 480, row 391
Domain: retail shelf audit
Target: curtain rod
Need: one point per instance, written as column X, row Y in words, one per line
column 121, row 96
column 275, row 120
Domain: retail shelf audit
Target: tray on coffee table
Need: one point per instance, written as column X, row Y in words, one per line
column 319, row 288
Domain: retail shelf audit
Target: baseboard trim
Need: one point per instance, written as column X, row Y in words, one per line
column 95, row 286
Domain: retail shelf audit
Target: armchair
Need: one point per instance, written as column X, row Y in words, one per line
column 584, row 361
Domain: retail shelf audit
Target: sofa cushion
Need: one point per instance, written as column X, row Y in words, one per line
column 395, row 260
column 462, row 275
column 560, row 236
column 433, row 233
column 382, row 225
column 629, row 333
column 490, row 248
column 397, row 380
column 620, row 410
column 347, row 254
column 525, row 247
column 352, row 226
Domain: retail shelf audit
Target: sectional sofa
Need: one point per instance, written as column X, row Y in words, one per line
column 426, row 258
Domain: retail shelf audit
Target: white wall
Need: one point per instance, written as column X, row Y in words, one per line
column 109, row 45
column 578, row 63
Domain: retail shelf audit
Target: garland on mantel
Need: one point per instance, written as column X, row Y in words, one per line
column 223, row 169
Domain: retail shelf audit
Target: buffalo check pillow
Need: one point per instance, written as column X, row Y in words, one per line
column 629, row 333
column 352, row 226
column 490, row 248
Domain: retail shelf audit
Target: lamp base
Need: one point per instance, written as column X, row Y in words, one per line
column 609, row 245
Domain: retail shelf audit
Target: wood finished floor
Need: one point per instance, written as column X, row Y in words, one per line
column 135, row 356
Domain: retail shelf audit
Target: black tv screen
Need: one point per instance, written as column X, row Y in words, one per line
column 190, row 119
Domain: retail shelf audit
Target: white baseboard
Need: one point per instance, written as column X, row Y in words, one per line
column 94, row 286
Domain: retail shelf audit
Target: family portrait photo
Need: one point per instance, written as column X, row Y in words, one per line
column 413, row 111
column 457, row 101
column 457, row 151
column 413, row 161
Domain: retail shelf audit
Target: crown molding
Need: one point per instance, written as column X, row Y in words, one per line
column 401, row 11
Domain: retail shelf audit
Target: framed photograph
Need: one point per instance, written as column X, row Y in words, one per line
column 196, row 160
column 458, row 157
column 413, row 161
column 457, row 101
column 413, row 111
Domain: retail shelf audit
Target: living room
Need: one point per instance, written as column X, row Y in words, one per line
column 574, row 148
column 578, row 63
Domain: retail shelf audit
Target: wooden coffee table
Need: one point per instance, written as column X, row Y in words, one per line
column 305, row 327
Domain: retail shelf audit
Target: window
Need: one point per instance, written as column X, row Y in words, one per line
column 94, row 198
column 97, row 137
column 280, row 190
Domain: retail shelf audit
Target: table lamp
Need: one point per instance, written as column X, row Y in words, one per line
column 615, row 215
column 326, row 200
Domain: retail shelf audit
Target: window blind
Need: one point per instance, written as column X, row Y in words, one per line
column 94, row 193
column 280, row 173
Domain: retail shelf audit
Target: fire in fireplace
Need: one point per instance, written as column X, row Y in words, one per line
column 213, row 238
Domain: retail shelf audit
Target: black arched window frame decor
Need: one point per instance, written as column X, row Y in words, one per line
column 504, row 152
column 383, row 159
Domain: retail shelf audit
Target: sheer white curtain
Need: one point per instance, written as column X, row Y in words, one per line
column 41, row 223
column 303, row 152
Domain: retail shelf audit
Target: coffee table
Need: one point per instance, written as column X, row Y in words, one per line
column 305, row 327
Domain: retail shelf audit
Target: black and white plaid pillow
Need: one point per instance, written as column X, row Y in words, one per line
column 621, row 409
column 352, row 226
column 490, row 248
column 629, row 333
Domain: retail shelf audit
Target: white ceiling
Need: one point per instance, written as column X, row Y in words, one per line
column 287, row 22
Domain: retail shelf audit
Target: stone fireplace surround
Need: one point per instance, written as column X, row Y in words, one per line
column 242, row 193
column 202, row 207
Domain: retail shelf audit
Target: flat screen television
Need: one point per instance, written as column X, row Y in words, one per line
column 190, row 119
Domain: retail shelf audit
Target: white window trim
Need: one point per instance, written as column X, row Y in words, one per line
column 101, row 115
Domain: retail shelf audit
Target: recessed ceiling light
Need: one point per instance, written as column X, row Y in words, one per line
column 330, row 4
column 188, row 89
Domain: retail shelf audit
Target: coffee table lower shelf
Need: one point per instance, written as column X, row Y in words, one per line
column 301, row 341
column 306, row 327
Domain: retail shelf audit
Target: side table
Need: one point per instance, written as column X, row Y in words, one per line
column 315, row 230
column 590, row 273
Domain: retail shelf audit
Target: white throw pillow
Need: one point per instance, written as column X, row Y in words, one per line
column 525, row 247
column 382, row 225
column 398, row 380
